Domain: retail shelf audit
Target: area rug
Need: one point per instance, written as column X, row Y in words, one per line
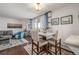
column 13, row 43
column 28, row 48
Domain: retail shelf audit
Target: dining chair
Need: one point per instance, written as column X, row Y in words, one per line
column 38, row 45
column 54, row 42
column 57, row 43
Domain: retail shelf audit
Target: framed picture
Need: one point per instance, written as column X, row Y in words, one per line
column 11, row 25
column 55, row 21
column 67, row 19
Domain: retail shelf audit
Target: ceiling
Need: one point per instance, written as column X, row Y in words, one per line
column 26, row 10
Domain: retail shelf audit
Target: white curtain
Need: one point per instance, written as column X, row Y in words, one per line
column 43, row 21
column 34, row 24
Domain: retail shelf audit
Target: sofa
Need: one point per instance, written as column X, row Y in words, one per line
column 5, row 36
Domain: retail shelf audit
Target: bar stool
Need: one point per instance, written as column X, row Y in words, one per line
column 38, row 44
column 54, row 42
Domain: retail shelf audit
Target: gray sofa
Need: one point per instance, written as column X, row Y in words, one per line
column 5, row 36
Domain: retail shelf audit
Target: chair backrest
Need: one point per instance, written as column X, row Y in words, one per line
column 58, row 35
column 34, row 35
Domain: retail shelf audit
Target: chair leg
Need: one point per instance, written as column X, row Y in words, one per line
column 56, row 47
column 37, row 48
column 60, row 47
column 32, row 48
column 48, row 47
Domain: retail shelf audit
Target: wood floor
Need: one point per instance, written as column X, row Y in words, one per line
column 19, row 50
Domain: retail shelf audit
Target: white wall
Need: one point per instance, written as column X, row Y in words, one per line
column 4, row 21
column 68, row 29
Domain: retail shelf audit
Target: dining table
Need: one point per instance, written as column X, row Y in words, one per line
column 45, row 35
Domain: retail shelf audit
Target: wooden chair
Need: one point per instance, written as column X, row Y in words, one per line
column 54, row 42
column 37, row 44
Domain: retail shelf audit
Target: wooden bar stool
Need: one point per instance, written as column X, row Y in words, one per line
column 38, row 44
column 54, row 42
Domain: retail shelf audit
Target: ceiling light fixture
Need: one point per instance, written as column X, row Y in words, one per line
column 37, row 7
